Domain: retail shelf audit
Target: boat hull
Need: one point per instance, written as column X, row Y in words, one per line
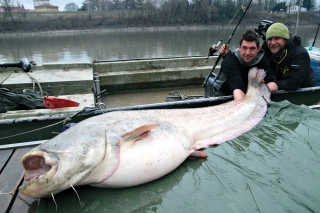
column 12, row 127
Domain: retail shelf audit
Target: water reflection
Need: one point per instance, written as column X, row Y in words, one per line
column 146, row 97
column 86, row 47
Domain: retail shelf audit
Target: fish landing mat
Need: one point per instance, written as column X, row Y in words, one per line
column 272, row 168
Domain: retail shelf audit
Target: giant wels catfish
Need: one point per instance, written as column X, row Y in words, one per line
column 127, row 148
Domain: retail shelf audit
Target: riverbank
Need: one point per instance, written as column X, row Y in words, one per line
column 133, row 29
column 126, row 29
column 166, row 18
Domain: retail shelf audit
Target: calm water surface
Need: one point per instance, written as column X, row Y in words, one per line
column 117, row 45
column 148, row 96
column 86, row 47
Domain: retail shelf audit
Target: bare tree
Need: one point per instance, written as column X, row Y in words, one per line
column 272, row 3
column 266, row 5
column 7, row 5
column 260, row 5
column 92, row 5
column 103, row 5
column 71, row 7
column 20, row 10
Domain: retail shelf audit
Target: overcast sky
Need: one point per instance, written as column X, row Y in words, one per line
column 28, row 4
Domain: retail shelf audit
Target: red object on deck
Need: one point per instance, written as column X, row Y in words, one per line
column 53, row 102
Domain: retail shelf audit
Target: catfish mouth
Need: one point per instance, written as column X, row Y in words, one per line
column 38, row 164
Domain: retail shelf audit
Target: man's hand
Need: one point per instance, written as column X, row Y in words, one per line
column 224, row 50
column 238, row 94
column 273, row 87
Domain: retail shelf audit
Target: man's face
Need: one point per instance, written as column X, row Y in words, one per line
column 276, row 44
column 248, row 51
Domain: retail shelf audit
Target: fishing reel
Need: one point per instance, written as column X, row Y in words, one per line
column 262, row 28
column 214, row 48
column 23, row 64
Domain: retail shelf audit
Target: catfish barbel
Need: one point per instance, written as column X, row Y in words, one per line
column 127, row 148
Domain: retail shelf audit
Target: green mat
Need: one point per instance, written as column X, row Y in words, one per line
column 272, row 168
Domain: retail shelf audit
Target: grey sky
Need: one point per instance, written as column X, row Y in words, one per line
column 28, row 4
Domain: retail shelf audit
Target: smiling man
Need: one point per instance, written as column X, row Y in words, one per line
column 288, row 59
column 236, row 65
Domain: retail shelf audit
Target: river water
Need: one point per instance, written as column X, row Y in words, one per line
column 88, row 46
column 125, row 44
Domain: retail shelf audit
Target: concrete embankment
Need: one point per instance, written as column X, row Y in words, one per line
column 114, row 76
column 118, row 76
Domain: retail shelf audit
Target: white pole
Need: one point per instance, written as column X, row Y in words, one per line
column 297, row 23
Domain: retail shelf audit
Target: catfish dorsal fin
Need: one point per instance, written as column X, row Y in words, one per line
column 140, row 132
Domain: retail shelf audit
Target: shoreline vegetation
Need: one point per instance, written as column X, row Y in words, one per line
column 83, row 23
column 133, row 29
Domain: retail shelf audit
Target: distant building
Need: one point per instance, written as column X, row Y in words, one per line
column 46, row 8
column 39, row 2
column 293, row 9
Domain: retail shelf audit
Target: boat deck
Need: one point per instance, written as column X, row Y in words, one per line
column 84, row 100
column 274, row 158
column 53, row 82
column 68, row 81
column 11, row 177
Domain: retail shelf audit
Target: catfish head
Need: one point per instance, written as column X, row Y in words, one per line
column 65, row 161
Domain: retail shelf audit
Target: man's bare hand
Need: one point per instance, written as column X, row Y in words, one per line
column 224, row 50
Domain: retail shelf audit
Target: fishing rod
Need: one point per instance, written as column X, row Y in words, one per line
column 220, row 55
column 314, row 40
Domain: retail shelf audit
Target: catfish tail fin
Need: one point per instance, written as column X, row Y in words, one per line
column 256, row 84
column 256, row 76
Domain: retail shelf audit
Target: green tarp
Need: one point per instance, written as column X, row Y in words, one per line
column 275, row 167
column 11, row 100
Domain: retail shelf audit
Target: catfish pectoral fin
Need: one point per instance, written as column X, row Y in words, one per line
column 205, row 143
column 198, row 154
column 140, row 132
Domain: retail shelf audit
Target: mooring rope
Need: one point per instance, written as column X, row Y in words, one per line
column 33, row 81
column 177, row 93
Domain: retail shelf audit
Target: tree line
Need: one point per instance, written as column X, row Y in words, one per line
column 260, row 5
column 95, row 14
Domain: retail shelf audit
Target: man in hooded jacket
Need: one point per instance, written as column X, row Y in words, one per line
column 236, row 65
column 288, row 59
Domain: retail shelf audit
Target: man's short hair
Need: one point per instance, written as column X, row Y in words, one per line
column 250, row 35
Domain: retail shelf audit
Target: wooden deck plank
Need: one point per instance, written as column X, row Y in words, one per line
column 4, row 76
column 10, row 178
column 4, row 157
column 24, row 204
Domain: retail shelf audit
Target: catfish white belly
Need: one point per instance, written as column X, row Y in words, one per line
column 127, row 148
column 142, row 158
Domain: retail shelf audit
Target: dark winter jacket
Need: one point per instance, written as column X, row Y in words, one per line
column 235, row 72
column 292, row 68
